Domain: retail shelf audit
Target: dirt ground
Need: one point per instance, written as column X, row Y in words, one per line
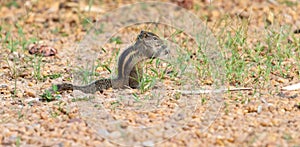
column 261, row 36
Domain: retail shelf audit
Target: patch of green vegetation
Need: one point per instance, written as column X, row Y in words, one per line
column 147, row 82
column 22, row 40
column 290, row 3
column 151, row 76
column 53, row 76
column 91, row 2
column 16, row 45
column 14, row 73
column 59, row 109
column 87, row 73
column 136, row 98
column 116, row 40
column 203, row 100
column 115, row 104
column 226, row 108
column 245, row 100
column 14, row 42
column 287, row 137
column 63, row 34
column 107, row 68
column 177, row 95
column 51, row 95
column 54, row 114
column 11, row 43
column 197, row 7
column 37, row 67
column 18, row 141
column 99, row 30
column 56, row 30
column 236, row 65
column 97, row 106
column 259, row 60
column 87, row 23
column 20, row 114
column 12, row 3
column 47, row 95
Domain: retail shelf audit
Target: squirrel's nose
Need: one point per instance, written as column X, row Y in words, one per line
column 167, row 51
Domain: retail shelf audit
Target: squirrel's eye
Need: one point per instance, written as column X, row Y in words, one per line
column 155, row 38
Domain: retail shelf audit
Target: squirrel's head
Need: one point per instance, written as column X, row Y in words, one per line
column 154, row 46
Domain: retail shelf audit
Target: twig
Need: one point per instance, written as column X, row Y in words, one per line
column 204, row 91
column 291, row 87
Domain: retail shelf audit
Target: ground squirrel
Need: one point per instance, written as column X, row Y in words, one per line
column 147, row 46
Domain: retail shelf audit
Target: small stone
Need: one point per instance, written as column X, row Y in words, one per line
column 220, row 142
column 30, row 84
column 43, row 116
column 271, row 107
column 115, row 135
column 270, row 18
column 103, row 132
column 152, row 116
column 240, row 111
column 265, row 123
column 30, row 93
column 282, row 110
column 99, row 69
column 19, row 94
column 259, row 109
column 215, row 13
column 282, row 80
column 44, row 73
column 148, row 143
column 198, row 133
column 208, row 82
column 3, row 86
column 39, row 19
column 231, row 139
column 192, row 124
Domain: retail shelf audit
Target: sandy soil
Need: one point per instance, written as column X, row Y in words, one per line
column 264, row 116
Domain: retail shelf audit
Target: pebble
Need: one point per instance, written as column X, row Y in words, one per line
column 282, row 80
column 259, row 109
column 3, row 86
column 148, row 143
column 248, row 127
column 103, row 132
column 115, row 135
column 30, row 93
column 19, row 94
column 30, row 84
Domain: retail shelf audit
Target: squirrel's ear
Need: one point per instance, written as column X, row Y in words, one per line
column 142, row 35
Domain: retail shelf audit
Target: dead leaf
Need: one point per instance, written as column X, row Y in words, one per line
column 43, row 50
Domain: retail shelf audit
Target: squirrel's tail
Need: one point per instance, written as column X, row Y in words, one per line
column 98, row 85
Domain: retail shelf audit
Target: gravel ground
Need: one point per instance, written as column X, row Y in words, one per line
column 264, row 116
